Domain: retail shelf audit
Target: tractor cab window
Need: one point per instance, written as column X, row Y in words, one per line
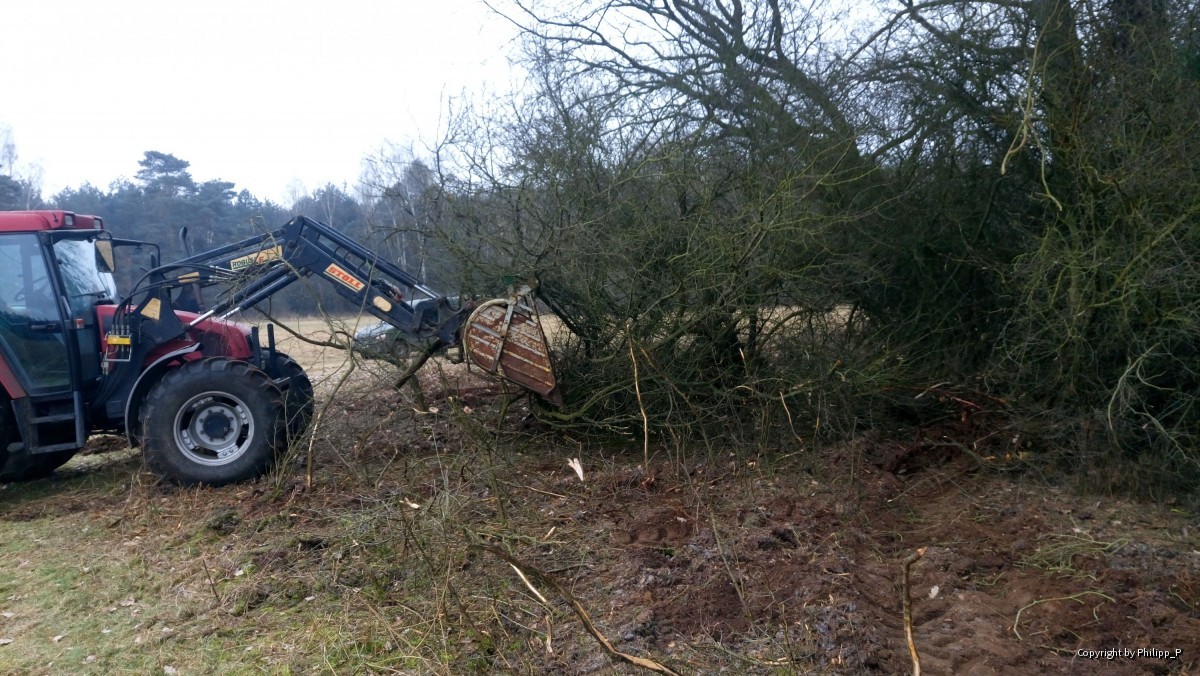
column 26, row 289
column 31, row 322
column 85, row 283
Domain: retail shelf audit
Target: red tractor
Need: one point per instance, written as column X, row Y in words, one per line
column 203, row 397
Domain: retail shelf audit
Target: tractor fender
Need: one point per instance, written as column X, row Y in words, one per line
column 142, row 385
column 9, row 381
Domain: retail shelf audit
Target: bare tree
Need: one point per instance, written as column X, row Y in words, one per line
column 8, row 151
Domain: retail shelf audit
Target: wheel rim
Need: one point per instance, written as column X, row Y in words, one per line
column 213, row 428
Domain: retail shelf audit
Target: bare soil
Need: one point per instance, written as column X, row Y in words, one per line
column 737, row 560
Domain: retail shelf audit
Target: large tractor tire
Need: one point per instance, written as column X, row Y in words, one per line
column 298, row 397
column 213, row 421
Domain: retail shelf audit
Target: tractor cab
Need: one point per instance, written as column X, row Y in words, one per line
column 51, row 280
column 50, row 283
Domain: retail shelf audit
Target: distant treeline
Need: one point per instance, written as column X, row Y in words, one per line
column 163, row 198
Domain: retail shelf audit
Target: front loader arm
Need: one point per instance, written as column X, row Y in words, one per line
column 261, row 266
column 503, row 337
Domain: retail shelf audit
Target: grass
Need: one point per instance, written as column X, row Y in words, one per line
column 162, row 588
column 116, row 574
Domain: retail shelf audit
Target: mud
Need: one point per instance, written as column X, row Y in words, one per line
column 1005, row 577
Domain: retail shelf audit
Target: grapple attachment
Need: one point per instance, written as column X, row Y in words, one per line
column 504, row 337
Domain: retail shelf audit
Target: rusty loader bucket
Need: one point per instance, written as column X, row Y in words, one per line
column 504, row 337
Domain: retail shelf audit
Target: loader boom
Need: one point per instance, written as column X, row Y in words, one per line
column 507, row 341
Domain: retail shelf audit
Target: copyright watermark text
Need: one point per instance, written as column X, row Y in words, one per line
column 1130, row 654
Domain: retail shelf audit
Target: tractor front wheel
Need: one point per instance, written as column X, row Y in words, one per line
column 213, row 421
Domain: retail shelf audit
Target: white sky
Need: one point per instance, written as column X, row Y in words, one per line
column 263, row 93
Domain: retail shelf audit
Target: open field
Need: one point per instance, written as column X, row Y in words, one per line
column 396, row 554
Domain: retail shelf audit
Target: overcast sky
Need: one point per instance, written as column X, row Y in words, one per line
column 263, row 93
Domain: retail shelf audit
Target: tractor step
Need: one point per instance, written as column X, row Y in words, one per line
column 51, row 423
column 61, row 417
column 68, row 446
